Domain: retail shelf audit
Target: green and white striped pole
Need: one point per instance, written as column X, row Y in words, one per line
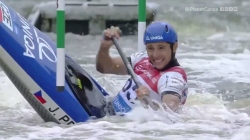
column 60, row 30
column 141, row 23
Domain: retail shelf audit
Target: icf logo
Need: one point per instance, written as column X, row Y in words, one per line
column 5, row 16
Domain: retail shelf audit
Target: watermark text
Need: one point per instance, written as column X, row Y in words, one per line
column 211, row 9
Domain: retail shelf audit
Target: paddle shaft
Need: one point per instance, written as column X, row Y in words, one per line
column 147, row 100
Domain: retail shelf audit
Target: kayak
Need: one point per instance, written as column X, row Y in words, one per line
column 28, row 57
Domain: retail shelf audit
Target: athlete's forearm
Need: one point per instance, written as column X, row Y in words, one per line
column 172, row 101
column 103, row 60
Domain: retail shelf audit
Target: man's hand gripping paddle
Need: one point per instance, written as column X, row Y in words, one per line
column 146, row 100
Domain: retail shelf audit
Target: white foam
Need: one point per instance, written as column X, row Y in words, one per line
column 231, row 67
column 242, row 134
column 10, row 96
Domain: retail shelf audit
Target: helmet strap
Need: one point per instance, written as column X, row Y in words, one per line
column 172, row 52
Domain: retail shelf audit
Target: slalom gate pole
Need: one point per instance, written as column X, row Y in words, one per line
column 141, row 23
column 60, row 30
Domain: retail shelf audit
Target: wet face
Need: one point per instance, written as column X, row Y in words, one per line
column 159, row 53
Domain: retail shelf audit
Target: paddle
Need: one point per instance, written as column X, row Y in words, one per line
column 146, row 99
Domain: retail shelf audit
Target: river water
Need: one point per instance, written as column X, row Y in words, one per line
column 213, row 48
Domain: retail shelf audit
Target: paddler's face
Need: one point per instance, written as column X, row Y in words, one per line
column 159, row 53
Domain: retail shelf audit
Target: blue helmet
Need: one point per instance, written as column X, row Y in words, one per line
column 160, row 32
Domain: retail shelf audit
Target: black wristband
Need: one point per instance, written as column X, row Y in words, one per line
column 170, row 92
